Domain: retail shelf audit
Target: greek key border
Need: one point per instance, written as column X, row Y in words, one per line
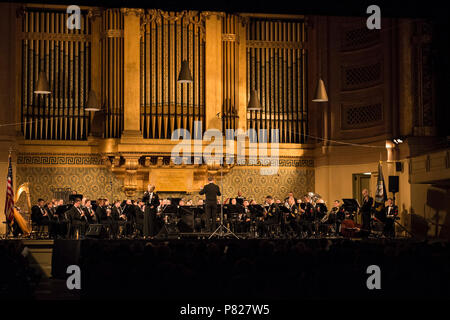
column 96, row 160
column 59, row 159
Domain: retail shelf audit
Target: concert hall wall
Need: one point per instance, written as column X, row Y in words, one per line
column 82, row 173
column 380, row 86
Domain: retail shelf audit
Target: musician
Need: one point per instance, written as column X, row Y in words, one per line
column 271, row 216
column 307, row 215
column 290, row 195
column 233, row 211
column 61, row 219
column 366, row 210
column 53, row 220
column 320, row 212
column 84, row 217
column 151, row 200
column 39, row 215
column 199, row 217
column 293, row 217
column 211, row 192
column 76, row 217
column 339, row 215
column 138, row 212
column 244, row 217
column 391, row 213
column 89, row 212
column 100, row 212
column 239, row 198
column 118, row 218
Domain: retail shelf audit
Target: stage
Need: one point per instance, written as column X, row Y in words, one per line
column 230, row 268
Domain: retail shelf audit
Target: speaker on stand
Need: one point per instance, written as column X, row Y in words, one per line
column 393, row 185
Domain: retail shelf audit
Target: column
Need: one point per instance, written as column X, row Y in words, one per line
column 213, row 71
column 242, row 72
column 132, row 23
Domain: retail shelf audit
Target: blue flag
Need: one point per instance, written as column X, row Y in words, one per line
column 380, row 195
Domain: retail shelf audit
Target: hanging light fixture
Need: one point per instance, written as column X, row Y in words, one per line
column 92, row 103
column 42, row 86
column 185, row 74
column 320, row 93
column 253, row 104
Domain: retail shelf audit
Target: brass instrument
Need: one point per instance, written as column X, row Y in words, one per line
column 314, row 197
column 17, row 215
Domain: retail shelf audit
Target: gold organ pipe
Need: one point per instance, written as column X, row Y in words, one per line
column 26, row 100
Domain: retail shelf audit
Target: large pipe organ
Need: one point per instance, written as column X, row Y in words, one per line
column 131, row 59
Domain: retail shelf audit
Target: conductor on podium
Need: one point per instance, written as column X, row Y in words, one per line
column 211, row 191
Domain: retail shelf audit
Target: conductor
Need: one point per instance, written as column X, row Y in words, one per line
column 211, row 191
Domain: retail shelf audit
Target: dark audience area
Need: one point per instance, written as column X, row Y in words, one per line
column 17, row 279
column 254, row 270
column 262, row 269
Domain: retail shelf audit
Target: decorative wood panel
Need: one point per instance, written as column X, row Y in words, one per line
column 361, row 76
column 361, row 116
column 356, row 38
column 423, row 79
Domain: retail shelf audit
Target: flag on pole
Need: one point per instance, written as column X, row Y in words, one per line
column 380, row 195
column 9, row 204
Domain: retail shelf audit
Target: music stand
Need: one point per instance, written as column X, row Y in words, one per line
column 169, row 210
column 351, row 205
column 221, row 230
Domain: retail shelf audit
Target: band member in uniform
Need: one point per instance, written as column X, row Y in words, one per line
column 293, row 217
column 139, row 211
column 76, row 218
column 366, row 210
column 39, row 215
column 290, row 195
column 240, row 198
column 271, row 216
column 211, row 192
column 244, row 218
column 100, row 211
column 61, row 219
column 339, row 215
column 151, row 200
column 199, row 216
column 320, row 212
column 53, row 220
column 391, row 214
column 307, row 215
column 90, row 213
column 118, row 218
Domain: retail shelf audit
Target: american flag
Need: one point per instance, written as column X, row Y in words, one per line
column 9, row 204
